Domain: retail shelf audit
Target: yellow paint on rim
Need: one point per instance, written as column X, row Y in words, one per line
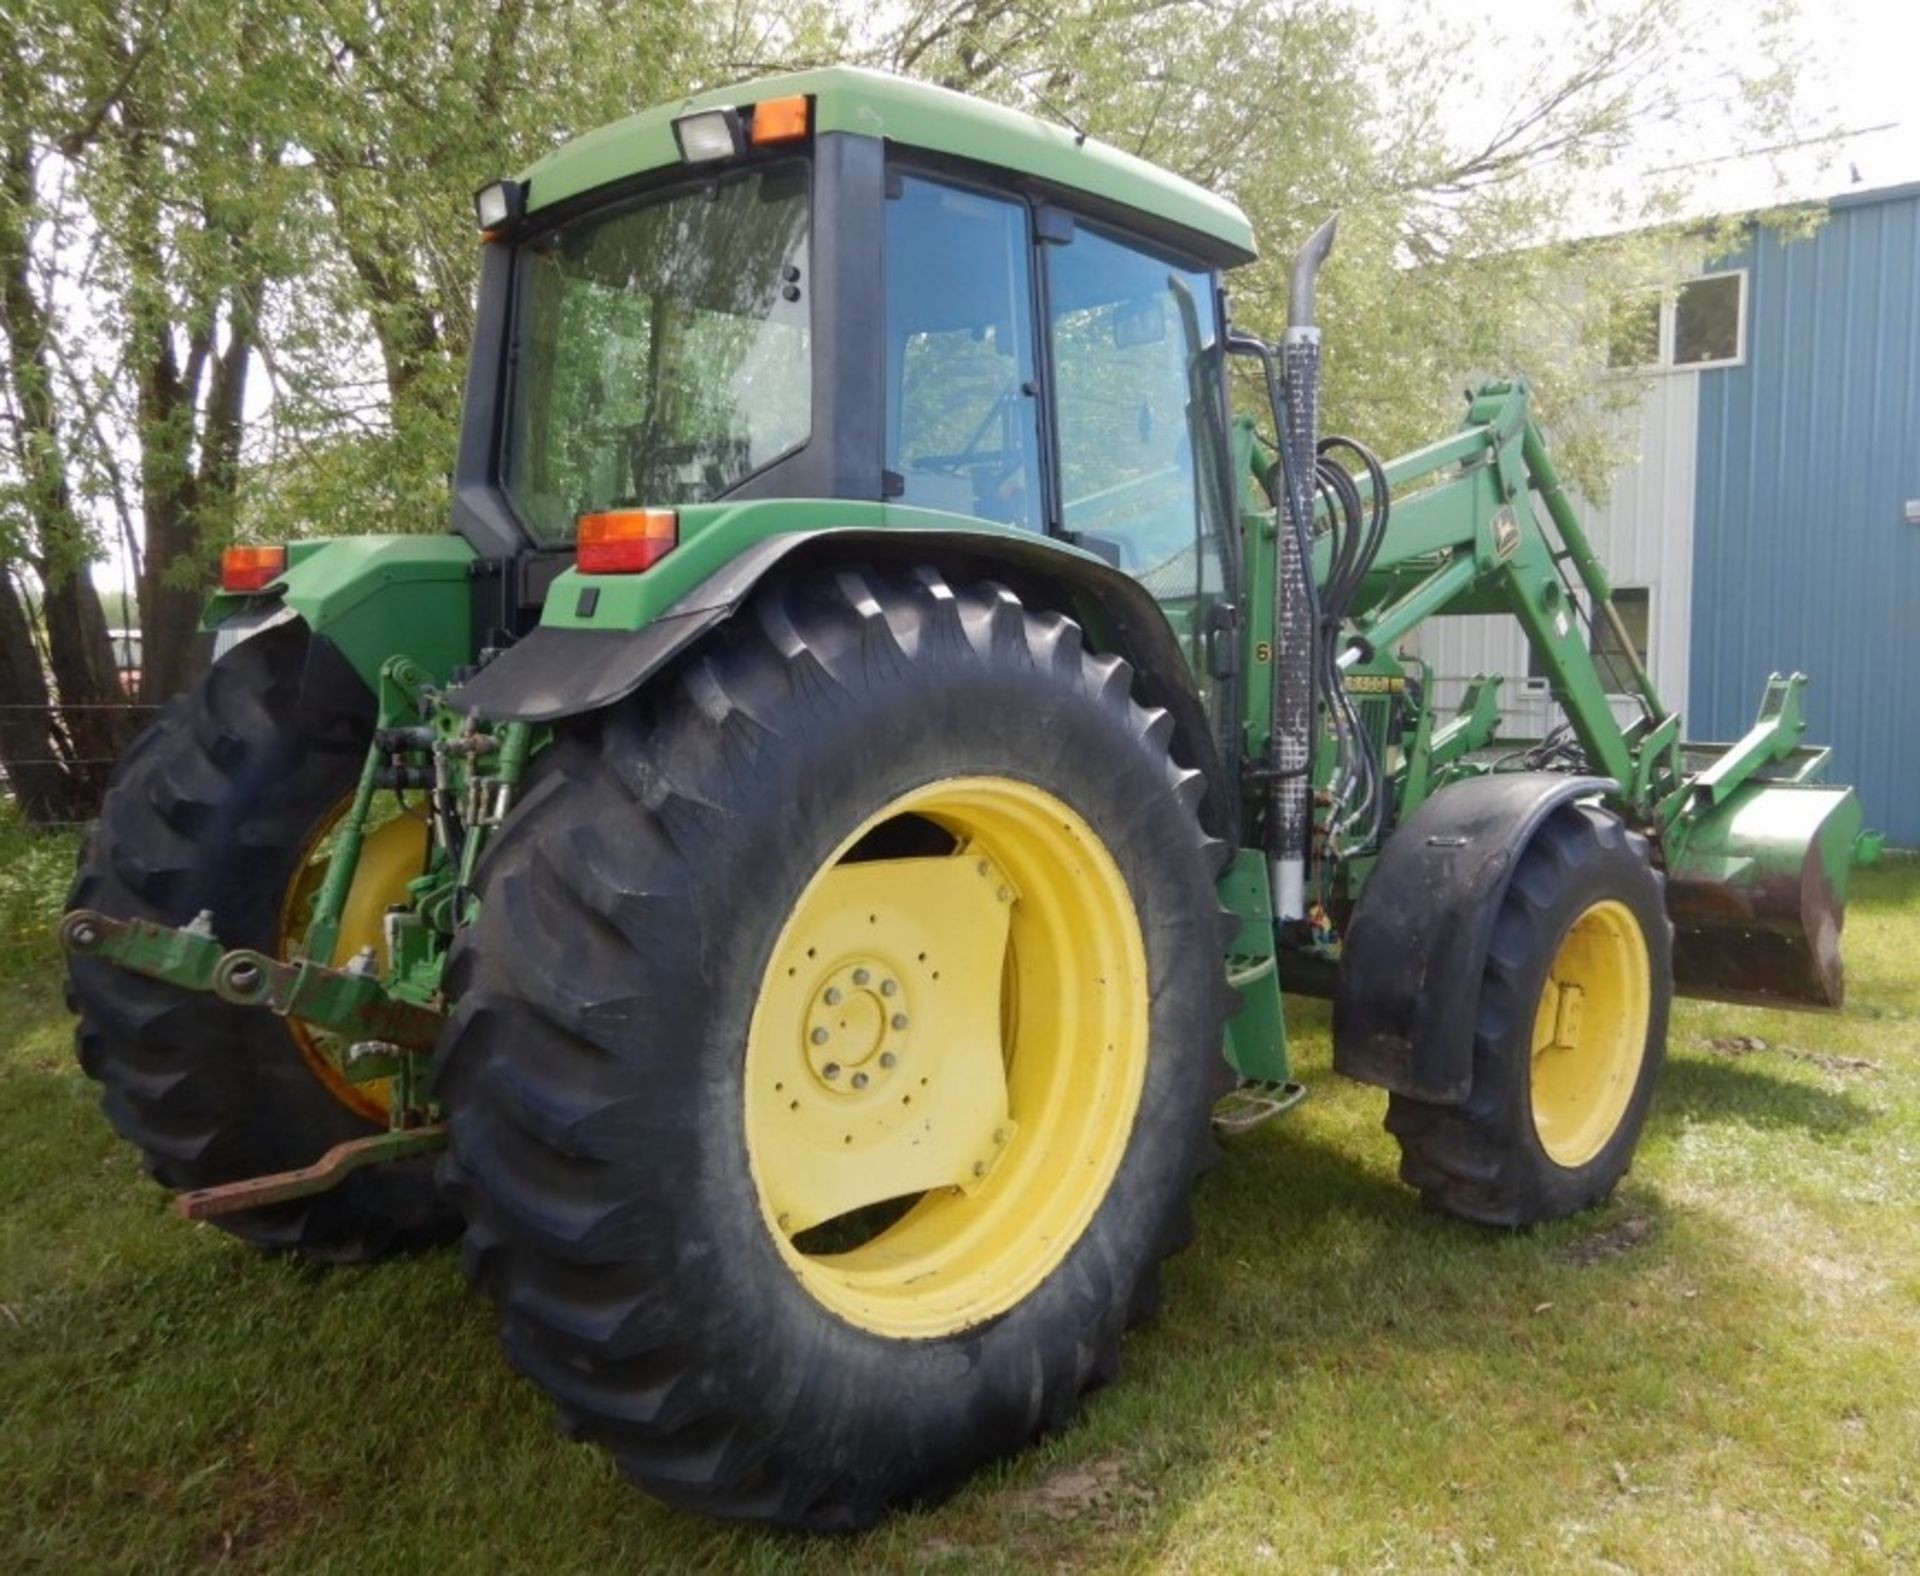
column 1590, row 1032
column 946, row 1058
column 391, row 855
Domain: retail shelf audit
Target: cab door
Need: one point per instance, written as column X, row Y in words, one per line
column 1139, row 430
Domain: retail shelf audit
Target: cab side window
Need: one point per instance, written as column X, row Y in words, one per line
column 963, row 430
column 1135, row 375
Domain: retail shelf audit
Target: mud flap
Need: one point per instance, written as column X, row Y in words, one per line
column 1410, row 969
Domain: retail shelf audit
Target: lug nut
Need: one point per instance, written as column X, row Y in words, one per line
column 899, row 1020
column 979, row 1168
column 820, row 1036
column 831, row 1070
column 887, row 1058
column 889, row 988
column 832, row 998
column 859, row 1080
column 861, row 976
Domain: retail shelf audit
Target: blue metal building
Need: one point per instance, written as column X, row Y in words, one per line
column 1806, row 528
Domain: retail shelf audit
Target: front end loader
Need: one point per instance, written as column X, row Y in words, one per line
column 797, row 877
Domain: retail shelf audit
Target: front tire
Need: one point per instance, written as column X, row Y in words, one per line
column 1569, row 1034
column 709, row 1021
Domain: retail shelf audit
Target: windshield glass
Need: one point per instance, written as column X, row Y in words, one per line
column 662, row 350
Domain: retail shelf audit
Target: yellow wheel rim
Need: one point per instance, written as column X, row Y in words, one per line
column 1590, row 1032
column 391, row 855
column 946, row 1057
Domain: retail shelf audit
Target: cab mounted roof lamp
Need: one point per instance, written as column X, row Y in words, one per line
column 725, row 132
column 499, row 205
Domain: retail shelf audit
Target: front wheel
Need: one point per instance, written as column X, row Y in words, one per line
column 835, row 1050
column 1569, row 1034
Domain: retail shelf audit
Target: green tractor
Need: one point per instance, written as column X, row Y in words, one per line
column 799, row 874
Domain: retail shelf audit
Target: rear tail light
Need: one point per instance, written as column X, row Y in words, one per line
column 624, row 541
column 251, row 568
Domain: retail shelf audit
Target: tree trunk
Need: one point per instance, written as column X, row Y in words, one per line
column 27, row 751
column 92, row 720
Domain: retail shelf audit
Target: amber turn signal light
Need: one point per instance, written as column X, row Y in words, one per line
column 624, row 541
column 780, row 120
column 250, row 568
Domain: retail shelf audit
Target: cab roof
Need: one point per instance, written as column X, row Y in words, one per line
column 915, row 114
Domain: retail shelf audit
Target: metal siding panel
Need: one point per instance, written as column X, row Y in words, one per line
column 1808, row 454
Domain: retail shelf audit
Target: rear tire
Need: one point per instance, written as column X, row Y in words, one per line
column 215, row 807
column 1549, row 1128
column 597, row 1068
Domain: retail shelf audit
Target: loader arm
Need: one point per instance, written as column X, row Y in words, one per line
column 1756, row 849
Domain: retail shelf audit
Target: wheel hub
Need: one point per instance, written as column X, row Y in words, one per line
column 859, row 1029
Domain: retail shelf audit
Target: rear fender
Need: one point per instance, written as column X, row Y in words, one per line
column 1414, row 951
column 369, row 598
column 557, row 671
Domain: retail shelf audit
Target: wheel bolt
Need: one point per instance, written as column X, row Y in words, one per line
column 887, row 1058
column 889, row 988
column 820, row 1036
column 833, row 996
column 899, row 1020
column 859, row 1080
column 861, row 976
column 831, row 1070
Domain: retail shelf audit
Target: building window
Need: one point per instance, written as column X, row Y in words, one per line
column 1702, row 324
column 1634, row 604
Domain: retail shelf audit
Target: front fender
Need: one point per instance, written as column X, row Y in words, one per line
column 375, row 597
column 1414, row 951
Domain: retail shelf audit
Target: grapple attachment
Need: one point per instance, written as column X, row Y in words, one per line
column 1757, row 891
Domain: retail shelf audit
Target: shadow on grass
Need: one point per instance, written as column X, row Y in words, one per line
column 1725, row 1090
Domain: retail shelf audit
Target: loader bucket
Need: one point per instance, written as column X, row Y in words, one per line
column 1757, row 891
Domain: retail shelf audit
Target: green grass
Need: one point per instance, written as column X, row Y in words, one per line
column 1718, row 1371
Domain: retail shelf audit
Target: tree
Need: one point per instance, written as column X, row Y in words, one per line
column 194, row 192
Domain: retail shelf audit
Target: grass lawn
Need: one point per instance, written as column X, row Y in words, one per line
column 1718, row 1371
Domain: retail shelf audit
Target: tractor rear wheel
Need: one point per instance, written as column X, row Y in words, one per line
column 835, row 1049
column 1570, row 1032
column 225, row 804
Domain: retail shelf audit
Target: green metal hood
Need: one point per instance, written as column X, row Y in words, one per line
column 920, row 115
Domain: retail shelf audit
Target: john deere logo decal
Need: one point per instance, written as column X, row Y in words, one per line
column 1506, row 532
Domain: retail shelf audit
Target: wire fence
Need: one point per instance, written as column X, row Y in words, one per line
column 67, row 738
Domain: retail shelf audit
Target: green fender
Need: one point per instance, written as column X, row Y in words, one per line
column 375, row 597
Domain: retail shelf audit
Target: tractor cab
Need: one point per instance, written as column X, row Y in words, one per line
column 814, row 288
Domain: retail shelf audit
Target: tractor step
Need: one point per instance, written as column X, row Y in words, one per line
column 1254, row 1102
column 329, row 1171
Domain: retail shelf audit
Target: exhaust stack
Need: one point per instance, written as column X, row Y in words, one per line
column 1296, row 600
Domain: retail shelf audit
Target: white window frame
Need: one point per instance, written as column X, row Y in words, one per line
column 1669, row 312
column 1534, row 687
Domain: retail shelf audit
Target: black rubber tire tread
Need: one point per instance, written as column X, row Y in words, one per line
column 592, row 1065
column 1482, row 1160
column 211, row 808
